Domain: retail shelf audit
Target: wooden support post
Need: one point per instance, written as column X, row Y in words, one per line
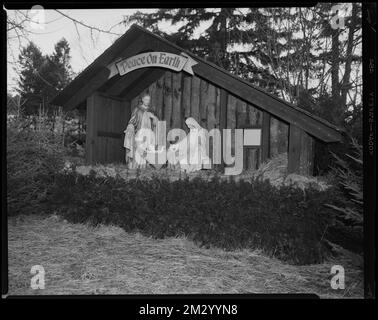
column 91, row 129
column 294, row 152
column 186, row 92
column 204, row 86
column 159, row 97
column 307, row 154
column 176, row 99
column 265, row 132
column 194, row 99
column 127, row 112
column 167, row 100
column 223, row 115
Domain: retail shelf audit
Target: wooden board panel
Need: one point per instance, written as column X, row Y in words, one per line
column 118, row 116
column 167, row 101
column 176, row 100
column 186, row 94
column 294, row 153
column 223, row 97
column 204, row 85
column 210, row 116
column 248, row 116
column 231, row 119
column 254, row 116
column 241, row 114
column 251, row 158
column 99, row 152
column 217, row 106
column 117, row 119
column 195, row 99
column 265, row 140
column 279, row 133
column 120, row 112
column 211, row 107
column 306, row 157
column 110, row 122
column 127, row 112
column 103, row 119
column 159, row 97
column 152, row 92
column 223, row 109
column 273, row 136
column 231, row 111
column 90, row 129
column 283, row 137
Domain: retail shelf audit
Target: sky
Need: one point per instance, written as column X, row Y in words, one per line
column 51, row 26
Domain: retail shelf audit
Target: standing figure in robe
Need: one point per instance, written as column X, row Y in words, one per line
column 191, row 152
column 141, row 118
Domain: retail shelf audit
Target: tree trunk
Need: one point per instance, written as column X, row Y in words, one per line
column 335, row 60
column 348, row 64
column 223, row 34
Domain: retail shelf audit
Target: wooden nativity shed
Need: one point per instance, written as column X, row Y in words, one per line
column 182, row 85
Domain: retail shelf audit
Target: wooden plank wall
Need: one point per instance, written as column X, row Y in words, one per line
column 243, row 115
column 279, row 137
column 176, row 96
column 306, row 165
column 300, row 155
column 106, row 120
column 91, row 127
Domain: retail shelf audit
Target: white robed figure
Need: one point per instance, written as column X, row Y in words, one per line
column 191, row 152
column 136, row 142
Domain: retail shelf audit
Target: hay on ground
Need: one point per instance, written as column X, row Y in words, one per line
column 79, row 259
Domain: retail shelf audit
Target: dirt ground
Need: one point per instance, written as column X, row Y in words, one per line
column 79, row 259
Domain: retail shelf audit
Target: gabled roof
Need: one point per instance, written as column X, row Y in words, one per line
column 138, row 39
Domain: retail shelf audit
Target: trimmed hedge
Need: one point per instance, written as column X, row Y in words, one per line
column 286, row 223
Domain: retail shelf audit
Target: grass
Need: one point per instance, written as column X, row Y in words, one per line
column 79, row 259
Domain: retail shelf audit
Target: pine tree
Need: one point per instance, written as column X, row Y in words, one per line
column 61, row 67
column 42, row 76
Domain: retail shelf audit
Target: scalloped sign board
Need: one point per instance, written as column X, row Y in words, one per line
column 153, row 59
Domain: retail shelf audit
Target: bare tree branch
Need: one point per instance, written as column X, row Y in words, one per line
column 88, row 26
